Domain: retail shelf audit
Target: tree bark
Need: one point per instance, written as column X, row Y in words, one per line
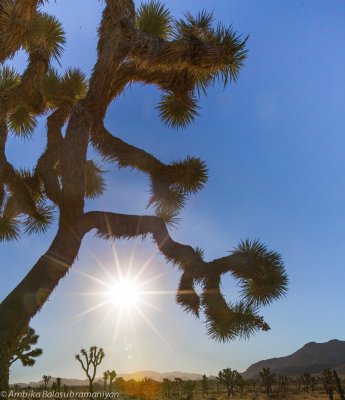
column 4, row 366
column 28, row 297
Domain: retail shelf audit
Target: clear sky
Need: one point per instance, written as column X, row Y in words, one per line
column 274, row 144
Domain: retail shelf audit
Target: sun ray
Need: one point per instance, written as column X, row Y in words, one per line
column 93, row 278
column 92, row 309
column 150, row 324
column 150, row 305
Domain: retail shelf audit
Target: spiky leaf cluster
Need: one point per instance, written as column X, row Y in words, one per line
column 155, row 19
column 22, row 122
column 225, row 320
column 24, row 204
column 178, row 111
column 94, row 184
column 40, row 221
column 47, row 35
column 9, row 77
column 66, row 89
column 169, row 196
column 23, row 350
column 264, row 279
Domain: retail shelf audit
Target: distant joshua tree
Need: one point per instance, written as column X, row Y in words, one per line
column 189, row 387
column 267, row 378
column 112, row 376
column 328, row 383
column 339, row 385
column 229, row 378
column 46, row 379
column 90, row 363
column 23, row 351
column 178, row 383
column 306, row 381
column 58, row 384
column 166, row 387
column 204, row 384
column 105, row 379
column 283, row 382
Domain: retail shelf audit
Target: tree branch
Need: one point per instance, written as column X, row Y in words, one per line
column 247, row 264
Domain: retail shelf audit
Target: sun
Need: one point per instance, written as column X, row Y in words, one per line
column 124, row 291
column 124, row 294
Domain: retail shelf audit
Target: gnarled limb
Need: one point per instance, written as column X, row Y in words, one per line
column 248, row 263
column 46, row 164
column 187, row 176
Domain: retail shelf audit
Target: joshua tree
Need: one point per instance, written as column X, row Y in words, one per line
column 182, row 58
column 313, row 382
column 178, row 384
column 189, row 387
column 112, row 376
column 58, row 384
column 90, row 363
column 267, row 378
column 283, row 382
column 339, row 385
column 229, row 378
column 328, row 382
column 23, row 351
column 46, row 379
column 166, row 386
column 204, row 383
column 105, row 379
column 306, row 381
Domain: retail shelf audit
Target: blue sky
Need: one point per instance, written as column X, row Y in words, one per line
column 274, row 144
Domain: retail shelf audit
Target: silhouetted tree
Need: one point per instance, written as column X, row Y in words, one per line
column 105, row 379
column 189, row 387
column 183, row 58
column 89, row 362
column 166, row 386
column 240, row 383
column 46, row 379
column 178, row 385
column 267, row 378
column 112, row 376
column 306, row 381
column 328, row 382
column 229, row 379
column 23, row 350
column 339, row 385
column 204, row 384
column 58, row 384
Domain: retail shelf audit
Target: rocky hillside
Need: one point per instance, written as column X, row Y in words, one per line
column 312, row 357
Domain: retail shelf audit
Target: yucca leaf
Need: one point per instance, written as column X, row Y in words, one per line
column 9, row 229
column 189, row 175
column 154, row 18
column 46, row 33
column 8, row 77
column 95, row 184
column 21, row 122
column 52, row 88
column 264, row 279
column 73, row 84
column 40, row 221
column 178, row 111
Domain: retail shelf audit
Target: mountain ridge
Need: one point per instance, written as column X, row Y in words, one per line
column 138, row 375
column 313, row 357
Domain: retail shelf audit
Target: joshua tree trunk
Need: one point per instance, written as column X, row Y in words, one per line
column 4, row 365
column 28, row 297
column 340, row 388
